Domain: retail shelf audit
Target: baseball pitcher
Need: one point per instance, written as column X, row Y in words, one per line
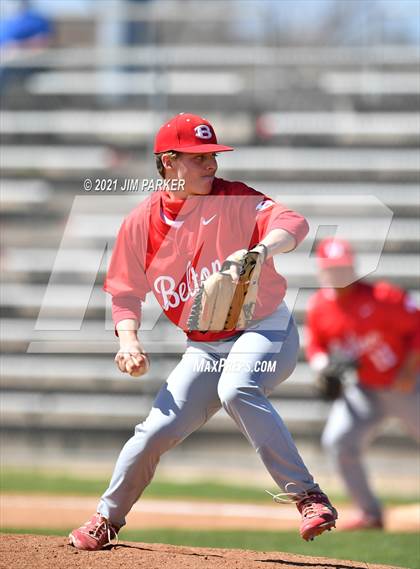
column 206, row 253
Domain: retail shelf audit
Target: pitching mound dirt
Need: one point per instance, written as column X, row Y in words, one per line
column 44, row 552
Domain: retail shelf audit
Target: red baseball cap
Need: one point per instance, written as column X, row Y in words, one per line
column 188, row 133
column 334, row 252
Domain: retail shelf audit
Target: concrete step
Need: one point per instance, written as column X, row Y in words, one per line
column 370, row 83
column 32, row 264
column 115, row 206
column 342, row 198
column 68, row 374
column 39, row 412
column 67, row 300
column 115, row 82
column 121, row 126
column 86, row 230
column 75, row 336
column 36, row 158
column 45, row 410
column 229, row 55
column 367, row 163
column 63, row 300
column 25, row 196
column 326, row 160
column 21, row 196
column 373, row 226
column 345, row 127
column 231, row 85
column 64, row 373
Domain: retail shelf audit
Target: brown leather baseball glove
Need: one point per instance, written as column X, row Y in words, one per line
column 226, row 300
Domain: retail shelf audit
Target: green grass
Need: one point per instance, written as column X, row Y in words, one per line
column 31, row 482
column 41, row 482
column 398, row 549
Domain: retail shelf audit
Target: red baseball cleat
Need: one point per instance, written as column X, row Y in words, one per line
column 95, row 534
column 318, row 515
column 361, row 523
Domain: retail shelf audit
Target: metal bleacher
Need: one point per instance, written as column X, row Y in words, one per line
column 317, row 128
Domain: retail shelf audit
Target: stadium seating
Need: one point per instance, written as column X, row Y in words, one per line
column 317, row 128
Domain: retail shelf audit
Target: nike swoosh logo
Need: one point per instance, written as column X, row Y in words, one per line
column 207, row 221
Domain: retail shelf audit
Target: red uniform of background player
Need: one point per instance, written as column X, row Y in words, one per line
column 378, row 326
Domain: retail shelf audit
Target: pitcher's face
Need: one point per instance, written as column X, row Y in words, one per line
column 198, row 171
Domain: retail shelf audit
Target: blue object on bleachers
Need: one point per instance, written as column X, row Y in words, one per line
column 23, row 26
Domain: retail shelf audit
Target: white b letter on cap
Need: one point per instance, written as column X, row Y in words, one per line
column 203, row 131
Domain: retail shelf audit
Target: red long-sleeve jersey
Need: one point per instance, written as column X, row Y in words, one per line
column 169, row 246
column 378, row 324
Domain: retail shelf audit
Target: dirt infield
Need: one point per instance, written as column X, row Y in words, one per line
column 45, row 552
column 66, row 511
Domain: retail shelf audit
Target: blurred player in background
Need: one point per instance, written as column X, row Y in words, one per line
column 376, row 328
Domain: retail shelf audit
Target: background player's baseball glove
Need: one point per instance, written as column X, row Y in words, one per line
column 331, row 380
column 226, row 300
column 329, row 385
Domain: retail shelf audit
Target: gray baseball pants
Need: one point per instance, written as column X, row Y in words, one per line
column 196, row 389
column 352, row 424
